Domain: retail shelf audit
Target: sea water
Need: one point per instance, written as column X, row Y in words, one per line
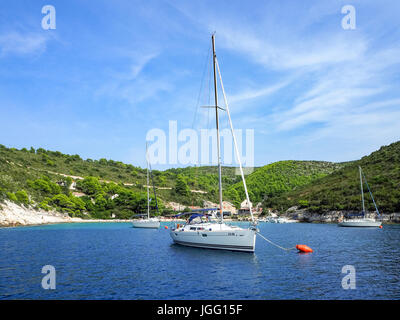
column 116, row 261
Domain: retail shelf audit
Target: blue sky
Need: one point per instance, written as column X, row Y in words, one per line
column 113, row 70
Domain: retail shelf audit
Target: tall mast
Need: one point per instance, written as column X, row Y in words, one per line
column 362, row 192
column 148, row 195
column 218, row 138
column 154, row 187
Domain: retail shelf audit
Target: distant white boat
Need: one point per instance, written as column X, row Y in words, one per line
column 285, row 220
column 362, row 222
column 151, row 223
column 277, row 220
column 202, row 232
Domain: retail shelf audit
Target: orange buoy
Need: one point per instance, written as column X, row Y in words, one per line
column 166, row 227
column 380, row 227
column 303, row 248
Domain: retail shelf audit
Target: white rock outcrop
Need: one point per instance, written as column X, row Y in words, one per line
column 12, row 214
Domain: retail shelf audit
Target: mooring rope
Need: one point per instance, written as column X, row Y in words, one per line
column 286, row 249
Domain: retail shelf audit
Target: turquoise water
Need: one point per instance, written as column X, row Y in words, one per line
column 116, row 261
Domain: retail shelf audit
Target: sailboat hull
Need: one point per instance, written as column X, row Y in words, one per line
column 146, row 223
column 360, row 223
column 237, row 240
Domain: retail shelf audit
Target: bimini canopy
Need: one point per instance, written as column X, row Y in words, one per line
column 195, row 215
column 354, row 214
column 197, row 211
column 181, row 214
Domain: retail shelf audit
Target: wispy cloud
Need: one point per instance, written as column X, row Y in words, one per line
column 131, row 84
column 22, row 43
column 305, row 52
column 134, row 91
column 340, row 85
column 342, row 90
column 307, row 87
column 256, row 93
column 137, row 61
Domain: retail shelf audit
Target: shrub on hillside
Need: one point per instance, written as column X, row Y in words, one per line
column 22, row 197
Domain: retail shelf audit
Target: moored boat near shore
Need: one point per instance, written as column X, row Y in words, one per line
column 364, row 221
column 201, row 231
column 150, row 223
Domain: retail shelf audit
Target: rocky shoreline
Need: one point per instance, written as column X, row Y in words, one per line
column 12, row 215
column 302, row 215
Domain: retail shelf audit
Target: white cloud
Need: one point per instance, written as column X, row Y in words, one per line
column 137, row 62
column 22, row 43
column 303, row 52
column 343, row 90
column 134, row 91
column 255, row 93
column 141, row 63
column 341, row 86
column 132, row 85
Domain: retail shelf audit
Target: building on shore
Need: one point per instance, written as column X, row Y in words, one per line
column 175, row 206
column 244, row 208
column 227, row 207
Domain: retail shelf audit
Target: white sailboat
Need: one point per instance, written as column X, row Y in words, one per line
column 364, row 221
column 202, row 232
column 277, row 220
column 153, row 223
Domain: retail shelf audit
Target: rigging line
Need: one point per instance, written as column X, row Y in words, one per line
column 201, row 85
column 273, row 243
column 206, row 66
column 235, row 142
column 372, row 197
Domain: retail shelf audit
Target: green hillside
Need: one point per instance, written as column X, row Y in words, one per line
column 341, row 189
column 279, row 177
column 36, row 176
column 42, row 179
